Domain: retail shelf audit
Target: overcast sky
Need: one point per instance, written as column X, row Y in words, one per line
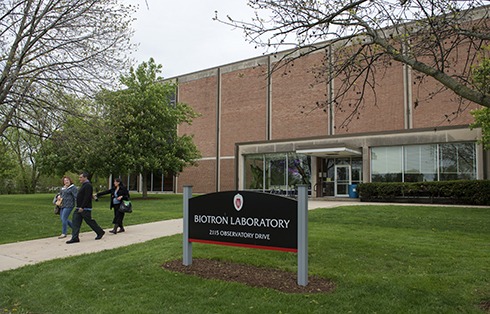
column 182, row 36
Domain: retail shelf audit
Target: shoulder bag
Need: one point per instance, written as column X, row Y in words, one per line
column 126, row 207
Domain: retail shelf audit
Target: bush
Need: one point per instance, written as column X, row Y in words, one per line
column 468, row 192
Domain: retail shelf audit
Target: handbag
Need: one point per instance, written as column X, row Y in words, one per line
column 59, row 202
column 126, row 207
column 57, row 210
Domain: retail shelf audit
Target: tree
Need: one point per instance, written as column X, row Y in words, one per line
column 49, row 49
column 133, row 130
column 439, row 39
column 145, row 118
column 79, row 145
column 24, row 145
column 481, row 79
column 7, row 168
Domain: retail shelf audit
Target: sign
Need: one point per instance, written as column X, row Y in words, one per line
column 246, row 219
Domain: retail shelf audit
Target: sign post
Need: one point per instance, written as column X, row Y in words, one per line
column 187, row 246
column 302, row 235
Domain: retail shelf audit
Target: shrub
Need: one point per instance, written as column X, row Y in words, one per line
column 468, row 192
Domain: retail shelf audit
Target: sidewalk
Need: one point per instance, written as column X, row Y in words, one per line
column 16, row 255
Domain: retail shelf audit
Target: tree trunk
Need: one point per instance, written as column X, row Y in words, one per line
column 144, row 185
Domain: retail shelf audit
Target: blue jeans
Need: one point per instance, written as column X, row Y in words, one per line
column 65, row 222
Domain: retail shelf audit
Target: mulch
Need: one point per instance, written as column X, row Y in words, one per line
column 260, row 277
column 251, row 275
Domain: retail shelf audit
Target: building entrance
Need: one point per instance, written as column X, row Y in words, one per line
column 342, row 180
column 334, row 175
column 325, row 185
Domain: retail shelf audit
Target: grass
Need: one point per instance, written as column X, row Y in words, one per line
column 383, row 259
column 27, row 217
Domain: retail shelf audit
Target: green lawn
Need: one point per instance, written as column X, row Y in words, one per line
column 27, row 217
column 383, row 259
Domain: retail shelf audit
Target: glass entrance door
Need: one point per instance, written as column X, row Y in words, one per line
column 342, row 180
column 325, row 178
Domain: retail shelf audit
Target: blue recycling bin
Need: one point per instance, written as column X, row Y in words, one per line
column 353, row 191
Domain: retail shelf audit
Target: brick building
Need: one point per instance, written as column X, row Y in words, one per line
column 268, row 129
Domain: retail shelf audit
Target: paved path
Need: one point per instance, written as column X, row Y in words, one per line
column 15, row 255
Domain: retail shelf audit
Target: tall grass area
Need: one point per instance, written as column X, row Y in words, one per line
column 383, row 259
column 27, row 217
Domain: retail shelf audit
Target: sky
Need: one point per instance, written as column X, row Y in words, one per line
column 182, row 36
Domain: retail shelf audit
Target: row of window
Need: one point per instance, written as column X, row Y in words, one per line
column 156, row 182
column 281, row 172
column 432, row 162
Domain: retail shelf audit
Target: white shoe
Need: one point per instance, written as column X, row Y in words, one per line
column 62, row 236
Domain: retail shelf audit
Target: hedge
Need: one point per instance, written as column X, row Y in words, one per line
column 467, row 192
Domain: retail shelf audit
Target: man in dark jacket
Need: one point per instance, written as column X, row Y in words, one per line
column 83, row 211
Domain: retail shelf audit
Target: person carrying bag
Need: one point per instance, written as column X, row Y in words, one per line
column 119, row 193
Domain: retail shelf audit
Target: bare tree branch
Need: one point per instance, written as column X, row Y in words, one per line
column 430, row 36
column 49, row 49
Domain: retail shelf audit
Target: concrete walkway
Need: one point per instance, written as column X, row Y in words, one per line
column 15, row 255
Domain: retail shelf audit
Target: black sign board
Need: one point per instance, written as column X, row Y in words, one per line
column 244, row 218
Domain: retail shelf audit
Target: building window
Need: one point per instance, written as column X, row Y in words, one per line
column 356, row 164
column 275, row 170
column 278, row 173
column 386, row 164
column 132, row 182
column 420, row 163
column 299, row 169
column 416, row 163
column 457, row 161
column 254, row 172
column 156, row 182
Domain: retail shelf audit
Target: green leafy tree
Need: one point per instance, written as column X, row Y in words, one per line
column 23, row 145
column 133, row 130
column 482, row 120
column 80, row 145
column 144, row 118
column 7, row 169
column 481, row 79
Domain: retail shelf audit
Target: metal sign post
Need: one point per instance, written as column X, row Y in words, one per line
column 302, row 235
column 187, row 246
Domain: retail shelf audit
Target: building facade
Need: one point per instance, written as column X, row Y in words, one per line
column 268, row 126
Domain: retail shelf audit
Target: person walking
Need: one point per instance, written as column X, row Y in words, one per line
column 68, row 195
column 118, row 193
column 84, row 211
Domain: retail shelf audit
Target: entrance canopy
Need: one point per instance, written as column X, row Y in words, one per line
column 335, row 151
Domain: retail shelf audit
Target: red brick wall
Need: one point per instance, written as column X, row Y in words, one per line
column 202, row 177
column 201, row 95
column 441, row 110
column 295, row 93
column 243, row 108
column 380, row 111
column 432, row 108
column 227, row 177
